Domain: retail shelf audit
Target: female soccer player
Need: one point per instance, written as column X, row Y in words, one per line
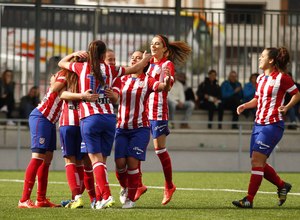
column 70, row 139
column 272, row 86
column 43, row 142
column 97, row 119
column 133, row 133
column 165, row 55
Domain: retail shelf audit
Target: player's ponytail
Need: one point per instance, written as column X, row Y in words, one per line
column 97, row 50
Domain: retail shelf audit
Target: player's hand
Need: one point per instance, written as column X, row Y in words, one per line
column 89, row 96
column 240, row 109
column 282, row 109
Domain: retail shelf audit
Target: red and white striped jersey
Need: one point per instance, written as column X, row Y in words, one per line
column 132, row 111
column 270, row 94
column 158, row 101
column 69, row 114
column 88, row 81
column 50, row 106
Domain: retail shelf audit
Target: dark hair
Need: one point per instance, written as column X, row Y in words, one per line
column 178, row 50
column 280, row 56
column 97, row 50
column 212, row 71
column 252, row 75
column 52, row 65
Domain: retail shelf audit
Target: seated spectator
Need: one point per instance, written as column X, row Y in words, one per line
column 209, row 97
column 7, row 95
column 29, row 102
column 232, row 94
column 188, row 91
column 293, row 113
column 177, row 101
column 249, row 92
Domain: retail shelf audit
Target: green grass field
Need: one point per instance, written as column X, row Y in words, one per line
column 200, row 195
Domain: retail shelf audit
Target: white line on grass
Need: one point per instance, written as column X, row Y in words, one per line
column 160, row 187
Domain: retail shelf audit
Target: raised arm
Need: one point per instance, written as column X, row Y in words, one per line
column 139, row 66
column 65, row 62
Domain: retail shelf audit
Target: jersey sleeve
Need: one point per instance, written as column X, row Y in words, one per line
column 61, row 77
column 116, row 85
column 152, row 84
column 171, row 66
column 76, row 67
column 289, row 85
column 119, row 71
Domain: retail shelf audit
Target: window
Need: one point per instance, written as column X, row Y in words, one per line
column 244, row 13
column 294, row 15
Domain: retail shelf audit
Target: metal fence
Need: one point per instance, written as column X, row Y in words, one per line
column 222, row 40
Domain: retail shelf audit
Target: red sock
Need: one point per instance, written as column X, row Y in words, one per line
column 121, row 175
column 72, row 177
column 98, row 193
column 30, row 175
column 42, row 174
column 80, row 171
column 133, row 182
column 89, row 182
column 271, row 175
column 101, row 179
column 165, row 160
column 140, row 176
column 257, row 174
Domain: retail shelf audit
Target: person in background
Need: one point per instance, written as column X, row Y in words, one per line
column 209, row 97
column 29, row 102
column 232, row 94
column 7, row 95
column 272, row 86
column 249, row 92
column 177, row 101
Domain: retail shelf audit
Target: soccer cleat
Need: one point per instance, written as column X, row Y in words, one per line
column 26, row 204
column 46, row 203
column 128, row 204
column 140, row 191
column 106, row 203
column 77, row 204
column 123, row 195
column 168, row 193
column 243, row 203
column 282, row 193
column 93, row 204
column 98, row 205
column 65, row 203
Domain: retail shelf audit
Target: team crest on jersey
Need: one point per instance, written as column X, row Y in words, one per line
column 272, row 82
column 42, row 140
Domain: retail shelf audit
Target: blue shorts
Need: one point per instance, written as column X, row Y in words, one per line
column 70, row 140
column 159, row 128
column 264, row 138
column 98, row 132
column 43, row 133
column 132, row 143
